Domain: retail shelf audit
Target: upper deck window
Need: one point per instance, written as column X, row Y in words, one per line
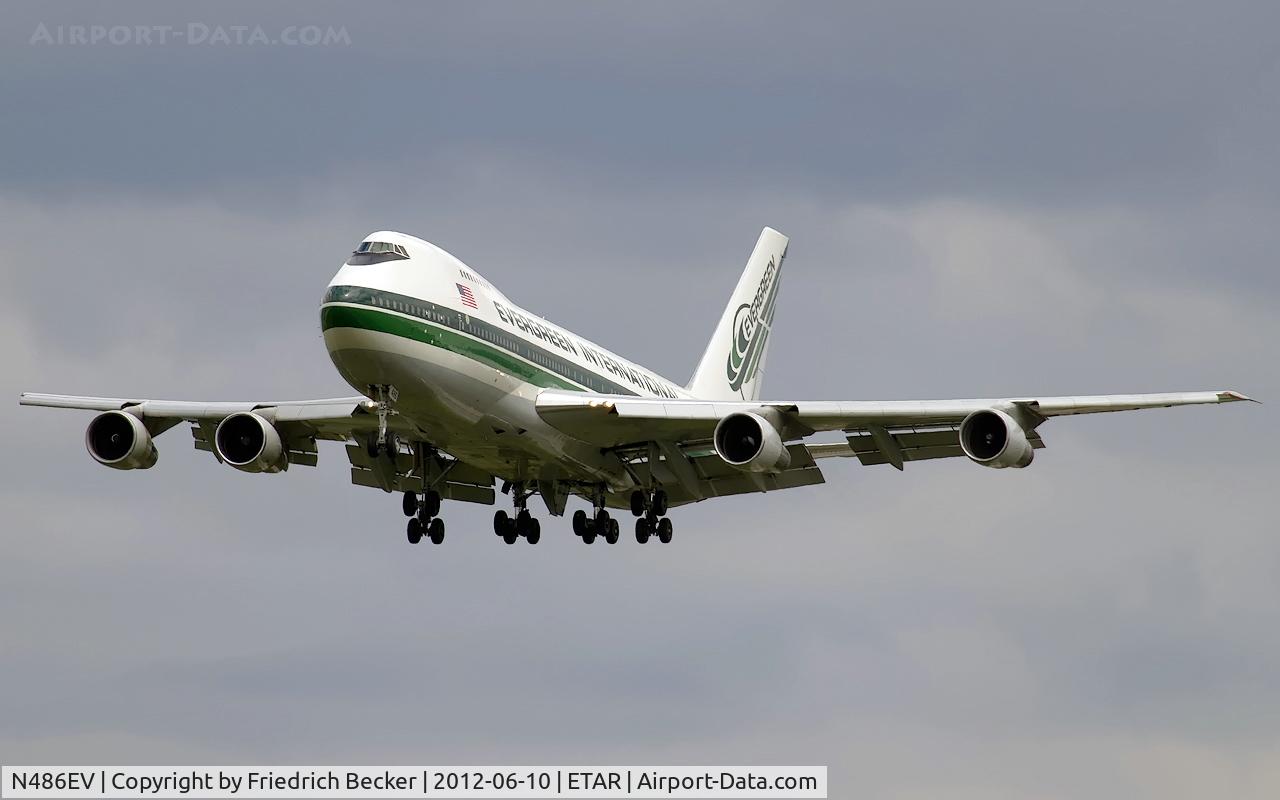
column 375, row 252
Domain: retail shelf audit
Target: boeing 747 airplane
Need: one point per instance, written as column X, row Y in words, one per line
column 463, row 391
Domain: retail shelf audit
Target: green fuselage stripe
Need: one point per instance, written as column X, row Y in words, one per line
column 370, row 320
column 446, row 328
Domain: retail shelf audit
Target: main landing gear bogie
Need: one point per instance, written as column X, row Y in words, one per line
column 600, row 524
column 422, row 517
column 522, row 526
column 648, row 526
column 651, row 516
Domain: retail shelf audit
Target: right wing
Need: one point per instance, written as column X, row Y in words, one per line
column 671, row 440
column 614, row 420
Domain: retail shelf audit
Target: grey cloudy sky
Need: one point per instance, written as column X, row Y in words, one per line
column 983, row 199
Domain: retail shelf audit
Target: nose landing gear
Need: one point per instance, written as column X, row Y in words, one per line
column 384, row 404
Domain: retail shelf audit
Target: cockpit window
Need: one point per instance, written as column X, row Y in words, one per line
column 375, row 252
column 381, row 247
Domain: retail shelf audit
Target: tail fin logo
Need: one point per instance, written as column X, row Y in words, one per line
column 751, row 324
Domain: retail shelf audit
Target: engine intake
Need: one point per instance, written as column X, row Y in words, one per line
column 250, row 443
column 119, row 440
column 751, row 443
column 992, row 438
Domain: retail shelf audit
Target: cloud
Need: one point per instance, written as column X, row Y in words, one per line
column 1002, row 101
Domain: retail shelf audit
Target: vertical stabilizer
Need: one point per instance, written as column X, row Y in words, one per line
column 732, row 368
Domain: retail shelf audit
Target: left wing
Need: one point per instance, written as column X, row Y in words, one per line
column 298, row 424
column 337, row 414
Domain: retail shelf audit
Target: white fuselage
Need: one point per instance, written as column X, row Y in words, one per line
column 467, row 363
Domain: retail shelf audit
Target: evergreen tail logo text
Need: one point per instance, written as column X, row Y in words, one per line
column 751, row 325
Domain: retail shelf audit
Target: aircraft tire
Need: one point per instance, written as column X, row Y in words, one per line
column 660, row 503
column 665, row 529
column 414, row 530
column 435, row 531
column 409, row 505
column 432, row 503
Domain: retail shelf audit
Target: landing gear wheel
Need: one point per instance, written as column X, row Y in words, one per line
column 660, row 503
column 602, row 522
column 611, row 535
column 410, row 504
column 579, row 522
column 664, row 530
column 637, row 503
column 644, row 528
column 500, row 523
column 431, row 503
column 435, row 531
column 510, row 536
column 590, row 535
column 523, row 521
column 534, row 533
column 414, row 530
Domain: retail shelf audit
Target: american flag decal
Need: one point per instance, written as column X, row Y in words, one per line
column 468, row 299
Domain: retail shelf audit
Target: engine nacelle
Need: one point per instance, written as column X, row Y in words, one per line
column 248, row 442
column 751, row 443
column 992, row 438
column 119, row 440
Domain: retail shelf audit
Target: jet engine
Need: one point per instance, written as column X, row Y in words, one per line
column 119, row 440
column 751, row 443
column 992, row 438
column 248, row 442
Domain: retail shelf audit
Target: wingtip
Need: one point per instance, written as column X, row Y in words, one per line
column 1230, row 396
